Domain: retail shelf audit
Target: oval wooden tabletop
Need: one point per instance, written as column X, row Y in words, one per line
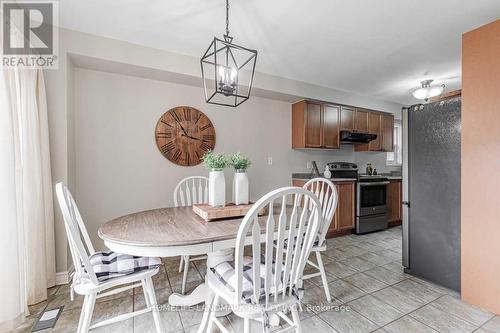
column 167, row 227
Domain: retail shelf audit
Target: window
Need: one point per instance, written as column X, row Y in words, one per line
column 396, row 157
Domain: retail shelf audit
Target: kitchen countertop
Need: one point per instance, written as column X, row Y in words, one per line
column 306, row 176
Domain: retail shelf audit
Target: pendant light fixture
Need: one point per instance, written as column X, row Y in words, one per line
column 227, row 70
column 427, row 91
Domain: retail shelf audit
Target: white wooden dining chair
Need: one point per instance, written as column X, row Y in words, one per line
column 85, row 279
column 269, row 282
column 327, row 195
column 190, row 191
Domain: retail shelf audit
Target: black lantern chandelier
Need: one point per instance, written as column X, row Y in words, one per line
column 227, row 70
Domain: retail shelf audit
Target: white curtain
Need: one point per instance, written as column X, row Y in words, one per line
column 25, row 89
column 13, row 302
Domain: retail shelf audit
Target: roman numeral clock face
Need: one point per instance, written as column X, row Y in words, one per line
column 184, row 134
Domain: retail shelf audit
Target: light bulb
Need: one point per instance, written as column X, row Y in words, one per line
column 222, row 73
column 427, row 91
column 234, row 73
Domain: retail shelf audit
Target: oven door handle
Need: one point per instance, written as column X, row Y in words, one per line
column 374, row 184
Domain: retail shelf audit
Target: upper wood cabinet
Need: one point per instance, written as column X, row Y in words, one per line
column 361, row 121
column 331, row 119
column 381, row 124
column 315, row 125
column 387, row 132
column 374, row 126
column 352, row 119
column 318, row 125
column 347, row 118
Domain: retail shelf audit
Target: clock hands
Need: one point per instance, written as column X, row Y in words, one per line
column 186, row 134
column 182, row 128
column 194, row 138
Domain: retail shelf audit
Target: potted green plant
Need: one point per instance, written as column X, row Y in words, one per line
column 216, row 163
column 240, row 164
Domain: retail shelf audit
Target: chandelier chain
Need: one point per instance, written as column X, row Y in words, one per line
column 227, row 17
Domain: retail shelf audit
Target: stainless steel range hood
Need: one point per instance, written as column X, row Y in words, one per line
column 356, row 137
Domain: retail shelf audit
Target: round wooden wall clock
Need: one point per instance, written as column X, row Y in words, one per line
column 184, row 134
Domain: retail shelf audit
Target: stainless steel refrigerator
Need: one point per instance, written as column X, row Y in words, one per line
column 431, row 191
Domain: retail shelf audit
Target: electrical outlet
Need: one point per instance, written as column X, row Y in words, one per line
column 269, row 161
column 309, row 165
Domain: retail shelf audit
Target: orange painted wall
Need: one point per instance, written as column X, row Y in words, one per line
column 481, row 167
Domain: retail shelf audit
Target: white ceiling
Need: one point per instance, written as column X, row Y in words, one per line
column 378, row 48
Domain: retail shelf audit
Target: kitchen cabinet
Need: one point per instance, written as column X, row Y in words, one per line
column 347, row 118
column 331, row 134
column 315, row 125
column 312, row 114
column 318, row 125
column 387, row 132
column 394, row 201
column 381, row 124
column 374, row 126
column 352, row 119
column 361, row 121
column 344, row 219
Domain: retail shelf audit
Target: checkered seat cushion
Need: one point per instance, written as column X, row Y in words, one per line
column 108, row 265
column 316, row 242
column 225, row 272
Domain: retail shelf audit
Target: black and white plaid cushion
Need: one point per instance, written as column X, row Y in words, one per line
column 316, row 242
column 225, row 272
column 108, row 265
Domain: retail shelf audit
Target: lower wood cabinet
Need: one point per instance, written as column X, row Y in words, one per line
column 394, row 201
column 345, row 215
column 344, row 218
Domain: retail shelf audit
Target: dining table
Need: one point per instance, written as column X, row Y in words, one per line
column 175, row 231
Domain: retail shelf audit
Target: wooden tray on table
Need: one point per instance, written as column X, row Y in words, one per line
column 210, row 214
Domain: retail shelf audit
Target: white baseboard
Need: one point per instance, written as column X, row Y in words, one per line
column 10, row 325
column 64, row 277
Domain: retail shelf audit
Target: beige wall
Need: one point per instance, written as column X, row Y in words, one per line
column 119, row 169
column 80, row 50
column 481, row 158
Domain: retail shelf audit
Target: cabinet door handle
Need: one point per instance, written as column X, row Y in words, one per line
column 406, row 203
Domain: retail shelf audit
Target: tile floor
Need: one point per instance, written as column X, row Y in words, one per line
column 370, row 292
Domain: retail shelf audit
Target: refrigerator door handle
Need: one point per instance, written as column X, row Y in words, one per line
column 405, row 198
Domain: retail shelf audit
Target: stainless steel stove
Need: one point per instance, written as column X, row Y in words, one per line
column 371, row 196
column 371, row 203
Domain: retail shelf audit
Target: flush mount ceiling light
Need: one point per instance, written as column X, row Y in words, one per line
column 427, row 91
column 227, row 70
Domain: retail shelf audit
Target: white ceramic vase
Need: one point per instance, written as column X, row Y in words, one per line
column 216, row 188
column 240, row 187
